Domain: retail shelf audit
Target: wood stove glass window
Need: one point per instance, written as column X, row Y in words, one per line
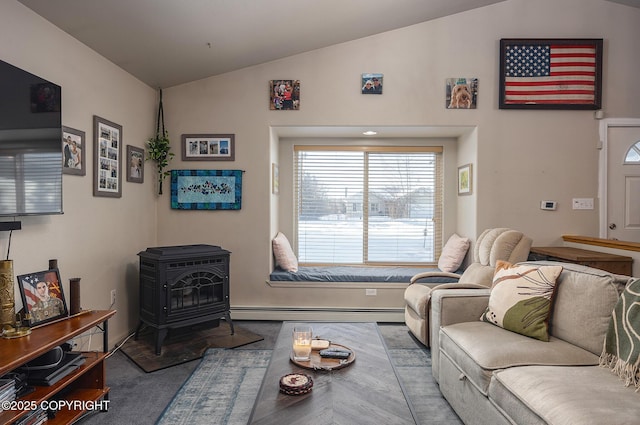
column 196, row 289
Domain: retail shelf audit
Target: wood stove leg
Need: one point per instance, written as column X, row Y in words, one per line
column 161, row 334
column 227, row 318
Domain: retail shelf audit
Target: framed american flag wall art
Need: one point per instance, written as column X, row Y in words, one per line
column 550, row 73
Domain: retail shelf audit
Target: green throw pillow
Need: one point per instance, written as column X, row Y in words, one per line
column 521, row 298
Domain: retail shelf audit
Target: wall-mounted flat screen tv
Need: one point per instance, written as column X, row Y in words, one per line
column 30, row 144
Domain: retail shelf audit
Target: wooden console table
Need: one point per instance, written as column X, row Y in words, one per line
column 83, row 386
column 612, row 263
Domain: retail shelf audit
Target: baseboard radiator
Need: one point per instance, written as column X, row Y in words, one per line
column 333, row 314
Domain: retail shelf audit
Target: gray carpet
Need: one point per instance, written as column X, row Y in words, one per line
column 139, row 398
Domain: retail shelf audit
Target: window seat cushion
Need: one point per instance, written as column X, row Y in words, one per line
column 356, row 274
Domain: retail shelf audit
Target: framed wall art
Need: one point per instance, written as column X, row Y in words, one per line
column 135, row 164
column 550, row 73
column 206, row 189
column 73, row 150
column 275, row 178
column 371, row 83
column 208, row 147
column 465, row 179
column 107, row 161
column 284, row 95
column 42, row 296
column 461, row 93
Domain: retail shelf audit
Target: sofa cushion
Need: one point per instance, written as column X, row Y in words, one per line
column 563, row 395
column 521, row 297
column 479, row 348
column 585, row 298
column 453, row 253
column 285, row 257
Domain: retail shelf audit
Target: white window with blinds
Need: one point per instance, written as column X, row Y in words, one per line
column 368, row 205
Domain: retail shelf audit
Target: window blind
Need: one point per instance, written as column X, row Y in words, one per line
column 368, row 205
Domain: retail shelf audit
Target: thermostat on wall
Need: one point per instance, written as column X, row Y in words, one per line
column 548, row 205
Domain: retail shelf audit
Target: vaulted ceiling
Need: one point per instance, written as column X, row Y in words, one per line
column 170, row 42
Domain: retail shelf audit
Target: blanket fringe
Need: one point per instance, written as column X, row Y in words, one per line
column 629, row 373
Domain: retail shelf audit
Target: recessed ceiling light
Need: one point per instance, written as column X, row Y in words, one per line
column 370, row 133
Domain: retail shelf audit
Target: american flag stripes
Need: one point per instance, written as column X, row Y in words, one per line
column 551, row 73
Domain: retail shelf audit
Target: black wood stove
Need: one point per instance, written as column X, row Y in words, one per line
column 183, row 286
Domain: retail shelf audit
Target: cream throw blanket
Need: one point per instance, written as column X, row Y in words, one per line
column 622, row 343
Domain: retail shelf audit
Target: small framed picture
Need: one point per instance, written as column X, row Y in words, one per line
column 275, row 179
column 107, row 158
column 73, row 151
column 208, row 147
column 465, row 176
column 135, row 164
column 284, row 95
column 461, row 93
column 371, row 83
column 42, row 296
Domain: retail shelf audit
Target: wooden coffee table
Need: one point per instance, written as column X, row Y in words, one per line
column 365, row 392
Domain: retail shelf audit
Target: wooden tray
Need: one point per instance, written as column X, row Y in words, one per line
column 320, row 363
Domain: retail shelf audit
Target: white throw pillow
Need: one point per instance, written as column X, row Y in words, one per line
column 285, row 257
column 453, row 253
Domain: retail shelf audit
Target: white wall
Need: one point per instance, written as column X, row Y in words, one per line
column 520, row 157
column 96, row 239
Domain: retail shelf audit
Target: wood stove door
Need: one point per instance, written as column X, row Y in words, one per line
column 195, row 292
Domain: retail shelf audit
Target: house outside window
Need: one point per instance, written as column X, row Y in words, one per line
column 368, row 205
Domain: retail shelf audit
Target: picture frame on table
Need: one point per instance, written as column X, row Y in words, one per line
column 208, row 147
column 42, row 296
column 73, row 151
column 107, row 158
column 555, row 73
column 135, row 164
column 465, row 179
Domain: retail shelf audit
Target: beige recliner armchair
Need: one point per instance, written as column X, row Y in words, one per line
column 491, row 246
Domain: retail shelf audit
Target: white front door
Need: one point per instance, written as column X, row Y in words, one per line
column 623, row 183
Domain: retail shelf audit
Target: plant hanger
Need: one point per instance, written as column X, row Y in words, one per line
column 159, row 147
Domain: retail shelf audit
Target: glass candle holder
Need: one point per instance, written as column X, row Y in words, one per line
column 302, row 343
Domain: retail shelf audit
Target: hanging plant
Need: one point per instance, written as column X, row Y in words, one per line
column 158, row 148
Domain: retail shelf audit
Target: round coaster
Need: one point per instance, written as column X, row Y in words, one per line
column 296, row 384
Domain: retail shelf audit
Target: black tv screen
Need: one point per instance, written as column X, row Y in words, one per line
column 30, row 144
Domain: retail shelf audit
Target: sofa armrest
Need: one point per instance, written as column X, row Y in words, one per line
column 449, row 306
column 426, row 275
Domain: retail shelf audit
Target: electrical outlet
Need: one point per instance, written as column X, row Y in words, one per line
column 113, row 297
column 371, row 292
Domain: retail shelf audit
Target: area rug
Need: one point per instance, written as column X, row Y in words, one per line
column 224, row 386
column 184, row 344
column 221, row 390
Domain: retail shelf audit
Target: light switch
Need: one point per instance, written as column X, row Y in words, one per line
column 582, row 203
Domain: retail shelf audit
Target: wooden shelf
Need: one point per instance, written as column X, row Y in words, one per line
column 609, row 262
column 87, row 383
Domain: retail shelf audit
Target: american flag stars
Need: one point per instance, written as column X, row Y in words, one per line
column 528, row 61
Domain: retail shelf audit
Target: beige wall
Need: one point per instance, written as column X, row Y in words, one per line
column 519, row 157
column 96, row 239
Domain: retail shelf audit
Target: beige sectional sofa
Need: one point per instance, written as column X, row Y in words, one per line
column 493, row 376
